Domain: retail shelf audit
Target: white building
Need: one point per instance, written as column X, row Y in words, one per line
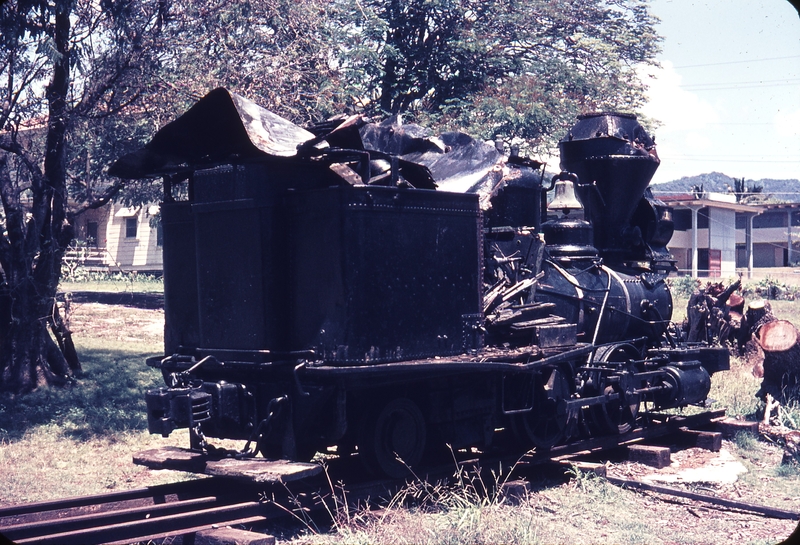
column 717, row 237
column 117, row 238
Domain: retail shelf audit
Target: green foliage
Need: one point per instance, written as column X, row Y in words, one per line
column 281, row 53
column 683, row 286
column 765, row 288
column 789, row 414
column 76, row 273
column 735, row 390
column 771, row 288
column 747, row 194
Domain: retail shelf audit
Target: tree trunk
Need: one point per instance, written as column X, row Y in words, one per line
column 32, row 359
column 36, row 235
column 63, row 335
column 758, row 313
column 780, row 342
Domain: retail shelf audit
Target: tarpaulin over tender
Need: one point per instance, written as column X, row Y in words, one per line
column 220, row 127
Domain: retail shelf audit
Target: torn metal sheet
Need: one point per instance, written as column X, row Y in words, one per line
column 219, row 128
column 224, row 128
column 457, row 162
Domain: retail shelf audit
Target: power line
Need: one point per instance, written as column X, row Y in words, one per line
column 770, row 161
column 737, row 123
column 738, row 62
column 755, row 82
column 695, row 87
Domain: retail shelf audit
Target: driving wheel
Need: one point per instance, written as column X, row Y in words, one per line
column 546, row 424
column 615, row 416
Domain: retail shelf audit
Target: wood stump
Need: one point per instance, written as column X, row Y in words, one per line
column 758, row 313
column 780, row 343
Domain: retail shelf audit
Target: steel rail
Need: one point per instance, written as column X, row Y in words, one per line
column 772, row 512
column 158, row 491
column 152, row 512
column 167, row 525
column 81, row 522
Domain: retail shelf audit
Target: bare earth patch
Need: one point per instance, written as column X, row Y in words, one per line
column 116, row 322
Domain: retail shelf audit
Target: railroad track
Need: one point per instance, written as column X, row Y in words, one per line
column 187, row 507
column 135, row 515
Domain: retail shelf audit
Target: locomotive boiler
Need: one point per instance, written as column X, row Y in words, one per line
column 372, row 289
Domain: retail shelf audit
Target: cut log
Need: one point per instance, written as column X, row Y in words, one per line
column 777, row 336
column 736, row 303
column 758, row 313
column 779, row 341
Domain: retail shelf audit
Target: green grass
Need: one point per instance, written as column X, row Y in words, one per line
column 585, row 510
column 106, row 398
column 136, row 285
column 78, row 440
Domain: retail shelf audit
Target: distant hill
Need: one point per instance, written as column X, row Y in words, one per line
column 716, row 182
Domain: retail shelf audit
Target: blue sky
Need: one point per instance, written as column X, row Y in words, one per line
column 728, row 92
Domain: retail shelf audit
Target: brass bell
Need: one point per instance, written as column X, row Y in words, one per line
column 564, row 198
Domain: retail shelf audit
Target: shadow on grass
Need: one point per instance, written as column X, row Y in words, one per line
column 107, row 398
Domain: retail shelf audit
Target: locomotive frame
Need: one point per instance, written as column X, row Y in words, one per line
column 319, row 293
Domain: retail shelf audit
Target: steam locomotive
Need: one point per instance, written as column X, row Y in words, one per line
column 321, row 293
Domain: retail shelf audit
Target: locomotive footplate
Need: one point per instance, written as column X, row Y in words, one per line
column 256, row 470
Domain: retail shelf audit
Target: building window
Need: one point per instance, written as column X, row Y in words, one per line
column 702, row 218
column 131, row 225
column 682, row 220
column 770, row 219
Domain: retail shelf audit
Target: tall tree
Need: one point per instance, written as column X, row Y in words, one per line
column 518, row 68
column 277, row 52
column 69, row 70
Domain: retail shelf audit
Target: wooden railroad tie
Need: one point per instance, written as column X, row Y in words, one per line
column 585, row 467
column 649, row 455
column 709, row 440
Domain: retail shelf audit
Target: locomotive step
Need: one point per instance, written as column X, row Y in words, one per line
column 258, row 470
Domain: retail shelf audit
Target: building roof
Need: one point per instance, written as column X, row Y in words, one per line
column 689, row 201
column 782, row 206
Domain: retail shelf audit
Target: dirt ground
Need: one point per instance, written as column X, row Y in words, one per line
column 727, row 474
column 89, row 319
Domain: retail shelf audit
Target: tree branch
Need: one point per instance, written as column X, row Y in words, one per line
column 109, row 193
